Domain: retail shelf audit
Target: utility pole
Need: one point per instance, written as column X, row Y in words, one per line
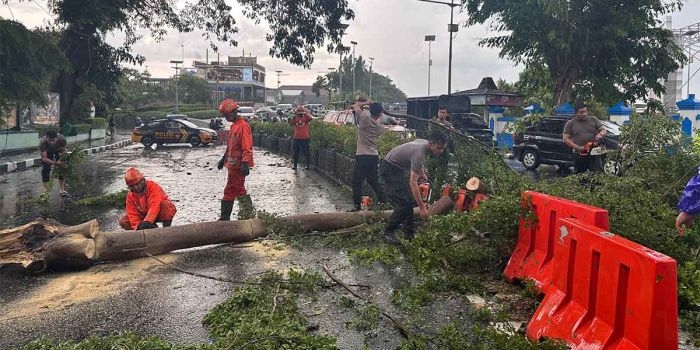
column 177, row 83
column 354, row 43
column 451, row 28
column 371, row 60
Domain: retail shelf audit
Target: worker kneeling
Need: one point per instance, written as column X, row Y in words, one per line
column 146, row 203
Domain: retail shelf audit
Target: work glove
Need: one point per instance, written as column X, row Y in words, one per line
column 146, row 225
column 245, row 169
column 220, row 164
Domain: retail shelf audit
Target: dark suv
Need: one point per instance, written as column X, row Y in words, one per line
column 543, row 143
column 472, row 124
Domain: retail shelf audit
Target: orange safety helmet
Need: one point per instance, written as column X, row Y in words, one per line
column 133, row 176
column 227, row 106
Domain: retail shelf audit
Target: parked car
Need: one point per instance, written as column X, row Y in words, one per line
column 246, row 112
column 543, row 143
column 284, row 107
column 348, row 118
column 265, row 114
column 172, row 130
column 316, row 109
column 472, row 124
column 176, row 116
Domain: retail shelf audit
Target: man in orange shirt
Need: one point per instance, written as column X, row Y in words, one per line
column 300, row 126
column 146, row 203
column 238, row 160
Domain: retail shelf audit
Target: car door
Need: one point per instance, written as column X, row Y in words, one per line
column 547, row 139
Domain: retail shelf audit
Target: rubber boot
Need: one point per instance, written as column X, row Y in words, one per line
column 226, row 209
column 167, row 223
column 246, row 210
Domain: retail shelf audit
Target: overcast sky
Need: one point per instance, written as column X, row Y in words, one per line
column 391, row 31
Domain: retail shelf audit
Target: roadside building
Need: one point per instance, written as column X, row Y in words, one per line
column 239, row 78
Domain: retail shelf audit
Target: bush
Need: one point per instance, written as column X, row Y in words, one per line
column 82, row 128
column 42, row 129
column 98, row 123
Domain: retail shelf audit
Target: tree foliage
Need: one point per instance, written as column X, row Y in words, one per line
column 383, row 88
column 28, row 61
column 617, row 48
column 193, row 89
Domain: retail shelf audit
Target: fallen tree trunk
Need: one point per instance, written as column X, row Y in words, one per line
column 43, row 243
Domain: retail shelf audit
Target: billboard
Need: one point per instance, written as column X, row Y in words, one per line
column 247, row 74
column 48, row 114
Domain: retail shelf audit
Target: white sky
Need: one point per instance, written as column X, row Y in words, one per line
column 391, row 31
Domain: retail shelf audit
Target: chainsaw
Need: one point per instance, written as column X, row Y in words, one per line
column 593, row 148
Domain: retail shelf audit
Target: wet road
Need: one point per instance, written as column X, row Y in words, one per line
column 150, row 298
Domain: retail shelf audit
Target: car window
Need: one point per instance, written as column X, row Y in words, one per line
column 245, row 109
column 155, row 125
column 187, row 123
column 551, row 126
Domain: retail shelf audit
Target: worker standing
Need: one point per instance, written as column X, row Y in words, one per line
column 51, row 147
column 146, row 203
column 366, row 155
column 300, row 138
column 238, row 160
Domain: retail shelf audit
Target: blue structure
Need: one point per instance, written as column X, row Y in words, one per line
column 565, row 110
column 533, row 109
column 620, row 113
column 498, row 123
column 689, row 115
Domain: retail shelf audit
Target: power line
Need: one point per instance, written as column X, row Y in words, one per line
column 11, row 13
column 41, row 7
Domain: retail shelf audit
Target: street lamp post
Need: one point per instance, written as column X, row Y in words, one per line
column 279, row 93
column 451, row 28
column 429, row 39
column 177, row 83
column 371, row 60
column 354, row 43
column 343, row 26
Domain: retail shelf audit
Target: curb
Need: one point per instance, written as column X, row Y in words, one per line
column 35, row 162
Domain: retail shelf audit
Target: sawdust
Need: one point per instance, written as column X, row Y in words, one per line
column 100, row 281
column 271, row 251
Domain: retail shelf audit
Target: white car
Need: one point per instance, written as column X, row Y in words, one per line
column 246, row 112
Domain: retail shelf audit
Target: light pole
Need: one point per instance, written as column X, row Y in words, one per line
column 177, row 83
column 330, row 86
column 451, row 28
column 279, row 93
column 371, row 60
column 354, row 43
column 429, row 39
column 343, row 26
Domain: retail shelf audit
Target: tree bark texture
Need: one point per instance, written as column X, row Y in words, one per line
column 44, row 243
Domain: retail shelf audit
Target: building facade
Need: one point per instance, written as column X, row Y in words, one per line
column 239, row 78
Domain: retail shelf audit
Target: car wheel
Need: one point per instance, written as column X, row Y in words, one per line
column 530, row 159
column 147, row 141
column 194, row 140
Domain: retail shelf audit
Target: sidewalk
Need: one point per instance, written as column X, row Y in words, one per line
column 29, row 159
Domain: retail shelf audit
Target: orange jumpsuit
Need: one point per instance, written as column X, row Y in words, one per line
column 151, row 205
column 239, row 149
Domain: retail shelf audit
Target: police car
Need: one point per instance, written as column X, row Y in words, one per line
column 172, row 130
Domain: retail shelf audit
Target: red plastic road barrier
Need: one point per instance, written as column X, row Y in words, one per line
column 532, row 257
column 607, row 293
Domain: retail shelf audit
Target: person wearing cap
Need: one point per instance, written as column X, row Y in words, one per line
column 369, row 130
column 146, row 203
column 300, row 138
column 238, row 159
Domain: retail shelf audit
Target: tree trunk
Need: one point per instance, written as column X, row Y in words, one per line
column 44, row 243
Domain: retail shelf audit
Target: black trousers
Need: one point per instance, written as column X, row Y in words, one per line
column 587, row 163
column 46, row 168
column 366, row 168
column 301, row 146
column 398, row 192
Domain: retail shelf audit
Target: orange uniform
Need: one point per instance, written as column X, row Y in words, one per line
column 239, row 149
column 151, row 205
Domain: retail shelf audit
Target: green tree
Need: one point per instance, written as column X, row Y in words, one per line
column 133, row 90
column 319, row 85
column 28, row 61
column 617, row 47
column 194, row 89
column 296, row 29
column 383, row 88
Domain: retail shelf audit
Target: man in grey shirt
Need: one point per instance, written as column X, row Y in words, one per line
column 578, row 132
column 366, row 155
column 402, row 168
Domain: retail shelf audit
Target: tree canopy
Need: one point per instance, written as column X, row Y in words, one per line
column 616, row 48
column 28, row 61
column 383, row 88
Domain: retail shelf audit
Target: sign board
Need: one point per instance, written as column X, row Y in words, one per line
column 247, row 74
column 48, row 114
